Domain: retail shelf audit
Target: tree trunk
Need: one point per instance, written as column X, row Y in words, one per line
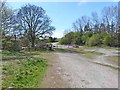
column 33, row 43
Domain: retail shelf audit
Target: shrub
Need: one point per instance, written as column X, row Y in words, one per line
column 6, row 44
column 16, row 46
column 77, row 38
column 106, row 40
column 86, row 37
column 95, row 40
column 67, row 39
column 115, row 40
column 11, row 45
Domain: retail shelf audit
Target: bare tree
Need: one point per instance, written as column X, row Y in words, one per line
column 114, row 18
column 109, row 14
column 85, row 20
column 66, row 31
column 78, row 25
column 34, row 22
column 79, row 21
column 95, row 17
column 5, row 17
column 75, row 26
column 86, row 23
column 95, row 21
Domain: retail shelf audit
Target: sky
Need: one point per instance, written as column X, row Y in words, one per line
column 63, row 14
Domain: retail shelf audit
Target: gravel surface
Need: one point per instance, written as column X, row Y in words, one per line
column 80, row 73
column 71, row 70
column 102, row 59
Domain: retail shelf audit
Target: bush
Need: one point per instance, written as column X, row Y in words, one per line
column 95, row 40
column 106, row 40
column 6, row 44
column 115, row 40
column 11, row 45
column 67, row 39
column 24, row 42
column 63, row 41
column 77, row 38
column 92, row 39
column 16, row 46
column 86, row 36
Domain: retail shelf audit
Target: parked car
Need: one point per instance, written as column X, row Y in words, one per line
column 54, row 46
column 75, row 46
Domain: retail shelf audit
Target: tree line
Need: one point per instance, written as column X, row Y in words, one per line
column 24, row 27
column 96, row 30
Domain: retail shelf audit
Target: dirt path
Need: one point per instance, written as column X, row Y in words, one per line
column 75, row 71
column 53, row 77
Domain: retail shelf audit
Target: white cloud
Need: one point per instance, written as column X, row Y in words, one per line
column 58, row 34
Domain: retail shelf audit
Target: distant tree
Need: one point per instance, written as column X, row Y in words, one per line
column 75, row 27
column 78, row 26
column 95, row 22
column 102, row 27
column 85, row 20
column 95, row 17
column 52, row 39
column 96, row 30
column 109, row 14
column 87, row 27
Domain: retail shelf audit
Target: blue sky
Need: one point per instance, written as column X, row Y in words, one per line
column 63, row 14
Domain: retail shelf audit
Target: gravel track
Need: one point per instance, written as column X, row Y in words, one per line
column 80, row 73
column 71, row 70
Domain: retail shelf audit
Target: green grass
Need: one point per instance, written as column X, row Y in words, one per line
column 23, row 73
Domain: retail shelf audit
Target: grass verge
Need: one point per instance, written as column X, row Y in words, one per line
column 23, row 73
